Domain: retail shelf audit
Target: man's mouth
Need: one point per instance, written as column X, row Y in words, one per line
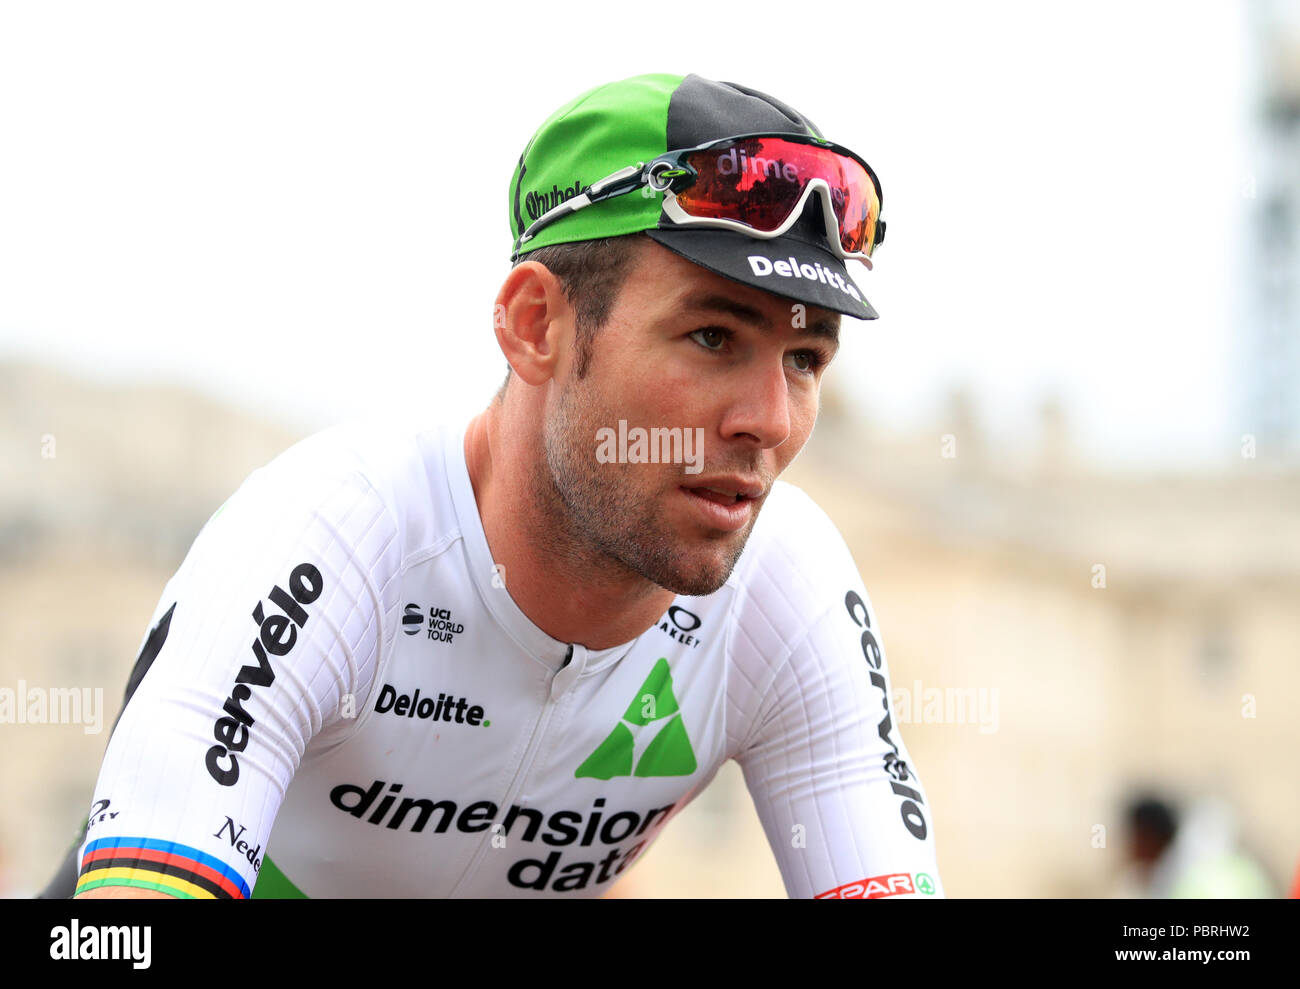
column 715, row 495
column 725, row 503
column 727, row 490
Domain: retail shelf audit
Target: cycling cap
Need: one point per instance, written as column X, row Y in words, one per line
column 622, row 124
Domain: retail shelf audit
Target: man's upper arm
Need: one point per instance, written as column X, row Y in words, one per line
column 825, row 762
column 267, row 636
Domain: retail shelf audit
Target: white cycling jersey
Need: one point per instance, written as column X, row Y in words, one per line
column 342, row 699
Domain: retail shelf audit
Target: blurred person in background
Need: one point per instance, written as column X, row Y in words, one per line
column 1195, row 855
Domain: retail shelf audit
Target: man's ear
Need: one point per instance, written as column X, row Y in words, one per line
column 533, row 321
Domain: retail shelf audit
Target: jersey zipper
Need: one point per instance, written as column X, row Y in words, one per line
column 516, row 784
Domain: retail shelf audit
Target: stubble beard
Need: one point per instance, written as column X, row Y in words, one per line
column 596, row 521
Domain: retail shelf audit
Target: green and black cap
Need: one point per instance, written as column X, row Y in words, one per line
column 636, row 120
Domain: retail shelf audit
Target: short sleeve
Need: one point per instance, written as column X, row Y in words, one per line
column 832, row 781
column 268, row 637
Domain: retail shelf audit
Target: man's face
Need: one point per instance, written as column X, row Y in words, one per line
column 685, row 350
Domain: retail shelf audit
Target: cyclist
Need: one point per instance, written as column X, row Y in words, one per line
column 496, row 657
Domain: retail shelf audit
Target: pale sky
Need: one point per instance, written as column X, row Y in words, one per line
column 302, row 207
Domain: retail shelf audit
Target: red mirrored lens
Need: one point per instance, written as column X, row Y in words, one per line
column 758, row 181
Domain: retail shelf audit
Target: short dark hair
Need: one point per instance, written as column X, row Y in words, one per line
column 591, row 273
column 1147, row 812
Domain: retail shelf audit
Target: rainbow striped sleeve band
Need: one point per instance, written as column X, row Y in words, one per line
column 166, row 866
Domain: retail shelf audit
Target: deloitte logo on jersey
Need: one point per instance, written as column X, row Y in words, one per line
column 668, row 752
column 445, row 708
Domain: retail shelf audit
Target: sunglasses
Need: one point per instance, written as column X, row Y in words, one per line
column 757, row 184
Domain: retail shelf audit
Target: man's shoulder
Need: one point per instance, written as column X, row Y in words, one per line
column 398, row 468
column 384, row 452
column 796, row 563
column 393, row 456
column 793, row 528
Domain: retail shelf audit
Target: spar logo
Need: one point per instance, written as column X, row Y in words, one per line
column 878, row 887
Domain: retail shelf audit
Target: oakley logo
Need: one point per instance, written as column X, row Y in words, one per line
column 737, row 163
column 683, row 619
column 791, row 268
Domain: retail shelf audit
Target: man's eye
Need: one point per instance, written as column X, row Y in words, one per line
column 807, row 361
column 711, row 337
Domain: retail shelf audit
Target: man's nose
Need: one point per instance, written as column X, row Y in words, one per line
column 760, row 408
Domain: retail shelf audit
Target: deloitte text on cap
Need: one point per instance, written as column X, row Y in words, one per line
column 636, row 120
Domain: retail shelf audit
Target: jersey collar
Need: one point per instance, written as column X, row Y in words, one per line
column 483, row 571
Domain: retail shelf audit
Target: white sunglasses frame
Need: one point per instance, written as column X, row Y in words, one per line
column 620, row 182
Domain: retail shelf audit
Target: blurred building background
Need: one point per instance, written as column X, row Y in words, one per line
column 104, row 489
column 1269, row 383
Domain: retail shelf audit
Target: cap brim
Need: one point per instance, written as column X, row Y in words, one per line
column 784, row 266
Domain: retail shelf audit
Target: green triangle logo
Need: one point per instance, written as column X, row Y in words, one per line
column 669, row 752
column 613, row 757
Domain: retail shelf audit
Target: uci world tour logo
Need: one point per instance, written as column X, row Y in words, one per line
column 438, row 621
column 652, row 724
column 412, row 619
